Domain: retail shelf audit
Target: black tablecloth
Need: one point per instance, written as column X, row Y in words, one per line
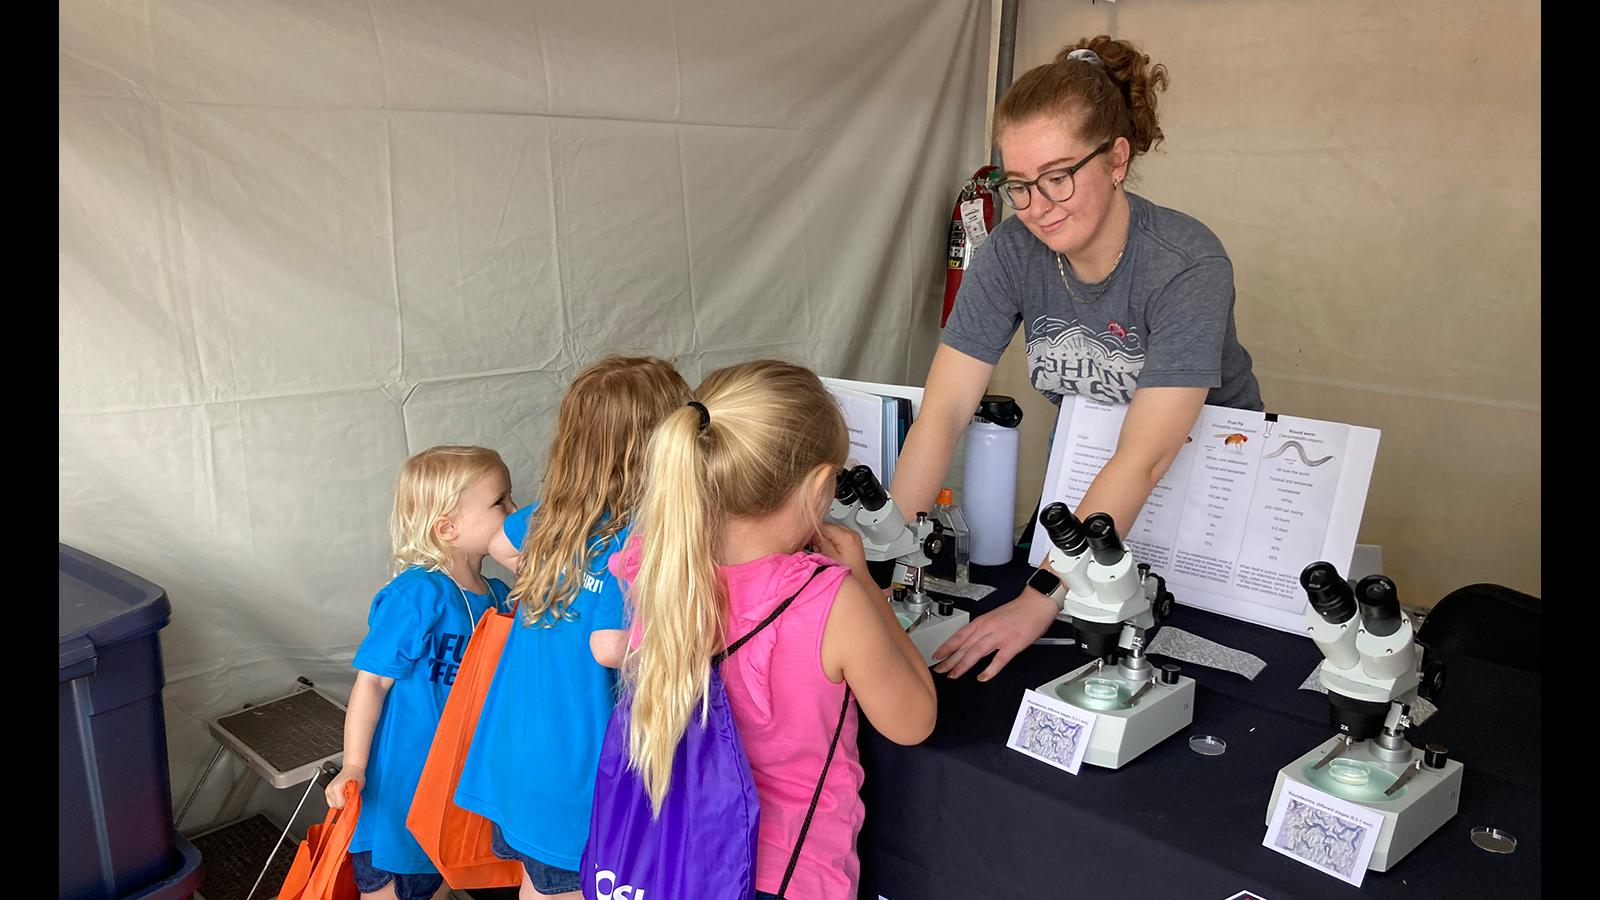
column 963, row 816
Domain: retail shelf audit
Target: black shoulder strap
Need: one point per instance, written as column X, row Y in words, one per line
column 816, row 796
column 794, row 858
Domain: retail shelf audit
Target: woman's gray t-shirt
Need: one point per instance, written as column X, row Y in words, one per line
column 1162, row 318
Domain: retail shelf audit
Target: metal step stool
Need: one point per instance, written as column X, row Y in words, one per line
column 286, row 741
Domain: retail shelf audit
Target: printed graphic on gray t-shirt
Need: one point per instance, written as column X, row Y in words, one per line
column 1068, row 358
column 1162, row 318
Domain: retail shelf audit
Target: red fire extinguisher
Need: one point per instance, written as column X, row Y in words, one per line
column 974, row 209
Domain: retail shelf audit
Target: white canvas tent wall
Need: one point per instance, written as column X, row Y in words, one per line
column 301, row 240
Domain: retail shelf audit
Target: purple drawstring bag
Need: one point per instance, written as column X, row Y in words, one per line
column 703, row 844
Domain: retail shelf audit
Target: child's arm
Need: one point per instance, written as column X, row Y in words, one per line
column 864, row 644
column 609, row 641
column 609, row 645
column 504, row 552
column 360, row 719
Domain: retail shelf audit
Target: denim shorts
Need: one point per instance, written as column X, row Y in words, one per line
column 546, row 879
column 406, row 887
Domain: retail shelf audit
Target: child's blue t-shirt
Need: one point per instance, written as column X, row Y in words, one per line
column 532, row 762
column 417, row 631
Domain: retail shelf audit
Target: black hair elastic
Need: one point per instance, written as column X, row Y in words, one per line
column 705, row 414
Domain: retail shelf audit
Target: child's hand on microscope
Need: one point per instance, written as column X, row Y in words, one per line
column 844, row 544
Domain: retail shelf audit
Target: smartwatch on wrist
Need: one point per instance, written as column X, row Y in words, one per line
column 1047, row 583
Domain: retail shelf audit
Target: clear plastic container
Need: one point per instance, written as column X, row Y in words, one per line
column 951, row 519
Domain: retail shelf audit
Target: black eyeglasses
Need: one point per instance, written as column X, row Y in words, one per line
column 1057, row 185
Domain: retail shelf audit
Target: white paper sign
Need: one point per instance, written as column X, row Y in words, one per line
column 914, row 394
column 1248, row 503
column 972, row 223
column 1333, row 836
column 863, row 418
column 1051, row 731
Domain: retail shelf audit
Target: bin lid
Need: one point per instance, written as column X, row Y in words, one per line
column 101, row 604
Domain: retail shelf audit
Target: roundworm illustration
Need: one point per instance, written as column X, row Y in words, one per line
column 1299, row 451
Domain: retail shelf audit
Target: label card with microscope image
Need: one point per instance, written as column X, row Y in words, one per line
column 1333, row 836
column 1051, row 731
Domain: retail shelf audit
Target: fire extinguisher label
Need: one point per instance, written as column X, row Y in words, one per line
column 972, row 223
column 958, row 247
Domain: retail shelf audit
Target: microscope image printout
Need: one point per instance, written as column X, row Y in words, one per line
column 1050, row 731
column 1324, row 832
column 1249, row 502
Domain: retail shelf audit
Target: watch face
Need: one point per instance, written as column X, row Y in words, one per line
column 1044, row 582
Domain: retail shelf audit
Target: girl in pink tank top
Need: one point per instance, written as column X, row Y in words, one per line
column 737, row 485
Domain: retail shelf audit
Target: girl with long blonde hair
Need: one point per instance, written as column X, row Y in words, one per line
column 737, row 484
column 531, row 766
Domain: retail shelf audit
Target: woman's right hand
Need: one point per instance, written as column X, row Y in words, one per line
column 1005, row 631
column 335, row 791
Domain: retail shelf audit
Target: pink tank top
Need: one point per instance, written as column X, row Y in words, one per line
column 786, row 710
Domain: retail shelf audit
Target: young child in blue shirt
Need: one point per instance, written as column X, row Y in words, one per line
column 449, row 504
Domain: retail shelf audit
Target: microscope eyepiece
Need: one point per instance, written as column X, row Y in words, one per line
column 1329, row 593
column 1380, row 605
column 843, row 490
column 1103, row 539
column 1064, row 529
column 868, row 489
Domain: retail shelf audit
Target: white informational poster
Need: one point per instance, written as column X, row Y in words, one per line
column 863, row 416
column 914, row 394
column 1250, row 501
column 871, row 418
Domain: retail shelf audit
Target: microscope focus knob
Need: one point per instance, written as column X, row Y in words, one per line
column 1431, row 683
column 1169, row 673
column 1161, row 603
column 1434, row 756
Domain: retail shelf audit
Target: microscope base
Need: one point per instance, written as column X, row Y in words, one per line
column 1423, row 804
column 933, row 631
column 1121, row 732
